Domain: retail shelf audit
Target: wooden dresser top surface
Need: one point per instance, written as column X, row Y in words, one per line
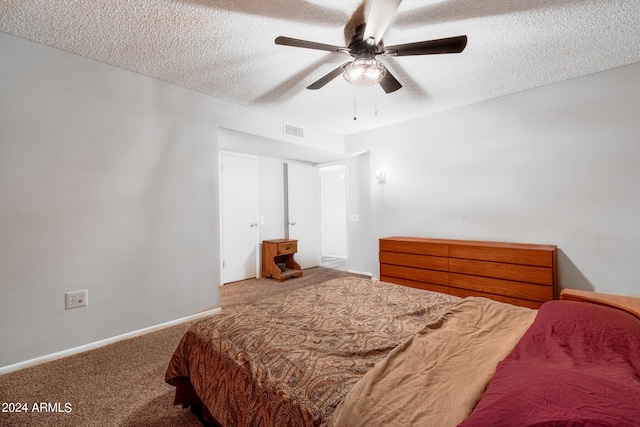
column 472, row 243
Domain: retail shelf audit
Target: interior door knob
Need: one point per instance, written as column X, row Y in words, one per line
column 253, row 224
column 292, row 223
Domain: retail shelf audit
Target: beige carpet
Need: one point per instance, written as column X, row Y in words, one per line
column 248, row 291
column 122, row 384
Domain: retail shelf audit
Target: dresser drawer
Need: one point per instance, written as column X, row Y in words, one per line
column 287, row 248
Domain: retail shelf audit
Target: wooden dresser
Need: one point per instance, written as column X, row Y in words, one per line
column 280, row 251
column 520, row 274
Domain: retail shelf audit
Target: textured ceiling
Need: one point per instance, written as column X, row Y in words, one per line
column 226, row 48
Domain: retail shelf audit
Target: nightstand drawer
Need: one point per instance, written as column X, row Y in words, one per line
column 287, row 248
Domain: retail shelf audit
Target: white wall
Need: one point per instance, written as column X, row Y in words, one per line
column 108, row 182
column 558, row 165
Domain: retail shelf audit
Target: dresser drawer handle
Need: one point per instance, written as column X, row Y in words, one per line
column 288, row 248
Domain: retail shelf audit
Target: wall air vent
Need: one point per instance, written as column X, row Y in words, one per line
column 292, row 130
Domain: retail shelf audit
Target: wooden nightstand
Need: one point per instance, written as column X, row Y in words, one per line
column 279, row 251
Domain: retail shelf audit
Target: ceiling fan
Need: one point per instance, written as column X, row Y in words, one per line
column 366, row 44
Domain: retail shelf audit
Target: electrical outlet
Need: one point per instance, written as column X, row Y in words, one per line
column 75, row 299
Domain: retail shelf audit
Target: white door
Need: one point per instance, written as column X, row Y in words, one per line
column 304, row 212
column 238, row 176
column 333, row 212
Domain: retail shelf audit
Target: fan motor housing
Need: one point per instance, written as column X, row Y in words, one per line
column 363, row 48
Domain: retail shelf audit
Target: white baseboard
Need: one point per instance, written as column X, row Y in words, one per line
column 333, row 256
column 364, row 273
column 102, row 343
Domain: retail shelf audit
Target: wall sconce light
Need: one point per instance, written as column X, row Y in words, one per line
column 381, row 176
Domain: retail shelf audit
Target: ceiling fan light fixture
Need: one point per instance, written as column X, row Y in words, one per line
column 364, row 72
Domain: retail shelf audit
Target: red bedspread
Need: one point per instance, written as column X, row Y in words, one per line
column 577, row 365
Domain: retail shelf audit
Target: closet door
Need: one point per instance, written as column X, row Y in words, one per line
column 239, row 217
column 333, row 212
column 303, row 200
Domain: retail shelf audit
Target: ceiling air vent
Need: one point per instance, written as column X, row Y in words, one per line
column 292, row 130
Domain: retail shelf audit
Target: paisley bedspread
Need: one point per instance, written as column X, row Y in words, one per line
column 290, row 360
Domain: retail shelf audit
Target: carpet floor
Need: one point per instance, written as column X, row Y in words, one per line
column 122, row 384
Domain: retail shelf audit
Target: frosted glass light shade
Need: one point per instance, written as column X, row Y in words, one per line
column 364, row 72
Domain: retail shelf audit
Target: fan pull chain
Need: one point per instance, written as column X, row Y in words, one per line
column 375, row 104
column 355, row 103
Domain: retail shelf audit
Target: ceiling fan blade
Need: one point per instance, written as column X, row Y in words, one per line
column 327, row 78
column 358, row 18
column 381, row 13
column 428, row 47
column 390, row 83
column 288, row 41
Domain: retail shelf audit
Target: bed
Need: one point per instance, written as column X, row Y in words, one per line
column 360, row 352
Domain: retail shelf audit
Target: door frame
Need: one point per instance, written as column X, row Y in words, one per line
column 222, row 153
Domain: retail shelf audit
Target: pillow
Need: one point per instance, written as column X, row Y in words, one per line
column 577, row 365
